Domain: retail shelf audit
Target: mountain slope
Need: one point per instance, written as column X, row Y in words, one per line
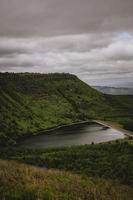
column 20, row 181
column 33, row 102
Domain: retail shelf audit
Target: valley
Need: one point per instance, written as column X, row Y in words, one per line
column 62, row 139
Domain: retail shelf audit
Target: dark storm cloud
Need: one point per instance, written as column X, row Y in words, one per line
column 50, row 17
column 91, row 38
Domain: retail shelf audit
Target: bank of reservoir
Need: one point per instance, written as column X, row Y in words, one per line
column 77, row 134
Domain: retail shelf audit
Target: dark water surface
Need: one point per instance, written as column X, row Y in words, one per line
column 73, row 135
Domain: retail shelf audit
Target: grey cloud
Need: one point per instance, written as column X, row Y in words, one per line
column 120, row 50
column 91, row 38
column 57, row 17
column 108, row 56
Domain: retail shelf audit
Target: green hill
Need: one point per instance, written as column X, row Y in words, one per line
column 32, row 102
column 23, row 182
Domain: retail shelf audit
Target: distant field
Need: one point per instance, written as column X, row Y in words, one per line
column 114, row 90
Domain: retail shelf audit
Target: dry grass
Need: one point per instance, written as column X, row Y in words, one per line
column 24, row 182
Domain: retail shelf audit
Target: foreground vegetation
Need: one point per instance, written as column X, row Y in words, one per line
column 33, row 102
column 107, row 160
column 23, row 182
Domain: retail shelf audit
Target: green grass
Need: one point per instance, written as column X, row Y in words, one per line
column 33, row 102
column 24, row 182
column 108, row 160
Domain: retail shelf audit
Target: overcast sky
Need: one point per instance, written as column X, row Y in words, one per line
column 90, row 38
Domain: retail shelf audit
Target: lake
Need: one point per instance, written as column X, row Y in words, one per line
column 79, row 134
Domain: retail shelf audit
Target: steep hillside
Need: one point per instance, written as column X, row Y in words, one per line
column 20, row 182
column 34, row 102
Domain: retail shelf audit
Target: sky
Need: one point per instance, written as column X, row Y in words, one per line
column 90, row 38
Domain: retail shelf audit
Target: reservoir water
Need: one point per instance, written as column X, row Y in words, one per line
column 73, row 135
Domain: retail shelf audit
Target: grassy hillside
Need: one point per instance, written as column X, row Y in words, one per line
column 107, row 160
column 30, row 103
column 34, row 102
column 23, row 182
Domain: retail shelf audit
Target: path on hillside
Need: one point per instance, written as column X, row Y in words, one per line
column 108, row 125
